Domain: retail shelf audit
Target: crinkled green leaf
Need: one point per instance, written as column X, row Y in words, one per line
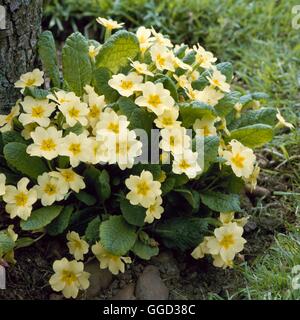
column 117, row 236
column 61, row 223
column 226, row 104
column 211, row 145
column 16, row 156
column 101, row 76
column 253, row 136
column 6, row 242
column 221, row 202
column 115, row 52
column 104, row 185
column 144, row 251
column 47, row 53
column 134, row 215
column 77, row 68
column 92, row 230
column 41, row 217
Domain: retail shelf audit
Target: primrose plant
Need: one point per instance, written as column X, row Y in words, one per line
column 106, row 154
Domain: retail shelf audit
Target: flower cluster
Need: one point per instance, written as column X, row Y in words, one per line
column 77, row 154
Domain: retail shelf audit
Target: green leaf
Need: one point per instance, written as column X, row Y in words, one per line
column 36, row 93
column 168, row 185
column 77, row 129
column 24, row 242
column 41, row 217
column 116, row 52
column 182, row 233
column 16, row 156
column 144, row 251
column 253, row 136
column 191, row 196
column 92, row 230
column 251, row 117
column 191, row 111
column 47, row 53
column 100, row 82
column 12, row 136
column 226, row 69
column 211, row 145
column 60, row 223
column 77, row 68
column 6, row 243
column 226, row 104
column 139, row 118
column 221, row 202
column 86, row 198
column 104, row 186
column 134, row 215
column 117, row 236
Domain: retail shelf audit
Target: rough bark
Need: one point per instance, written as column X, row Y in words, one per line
column 18, row 43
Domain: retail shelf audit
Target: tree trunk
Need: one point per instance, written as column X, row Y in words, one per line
column 18, row 41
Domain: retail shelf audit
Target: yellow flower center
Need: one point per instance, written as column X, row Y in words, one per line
column 143, row 188
column 21, row 199
column 68, row 277
column 114, row 127
column 48, row 145
column 50, row 189
column 238, row 160
column 167, row 121
column 227, row 241
column 184, row 164
column 75, row 148
column 154, row 100
column 206, row 131
column 9, row 117
column 68, row 176
column 126, row 85
column 74, row 113
column 37, row 112
column 94, row 112
column 216, row 82
column 29, row 82
column 160, row 60
column 172, row 141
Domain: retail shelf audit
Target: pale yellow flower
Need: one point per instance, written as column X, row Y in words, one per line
column 238, row 108
column 201, row 250
column 219, row 262
column 96, row 105
column 143, row 189
column 205, row 126
column 168, row 119
column 69, row 277
column 123, row 149
column 100, row 151
column 77, row 246
column 115, row 264
column 30, row 79
column 6, row 121
column 155, row 98
column 93, row 51
column 240, row 158
column 74, row 111
column 193, row 76
column 109, row 23
column 19, row 200
column 186, row 162
column 228, row 241
column 182, row 81
column 126, row 85
column 28, row 129
column 162, row 176
column 111, row 123
column 73, row 180
column 2, row 184
column 208, row 95
column 177, row 63
column 50, row 189
column 282, row 122
column 228, row 217
column 141, row 68
column 144, row 37
column 162, row 58
column 204, row 59
column 76, row 147
column 154, row 211
column 36, row 111
column 160, row 40
column 218, row 80
column 63, row 96
column 46, row 143
column 174, row 140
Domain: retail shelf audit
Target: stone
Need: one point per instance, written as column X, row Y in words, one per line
column 167, row 264
column 150, row 285
column 100, row 279
column 127, row 293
